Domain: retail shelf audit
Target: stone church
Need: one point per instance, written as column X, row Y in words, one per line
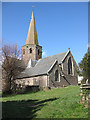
column 54, row 71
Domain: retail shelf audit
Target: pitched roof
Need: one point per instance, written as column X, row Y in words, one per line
column 32, row 33
column 43, row 66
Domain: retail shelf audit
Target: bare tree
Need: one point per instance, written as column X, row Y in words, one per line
column 11, row 66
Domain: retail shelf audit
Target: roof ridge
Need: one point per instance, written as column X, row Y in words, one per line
column 53, row 55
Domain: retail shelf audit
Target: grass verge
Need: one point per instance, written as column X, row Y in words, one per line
column 54, row 103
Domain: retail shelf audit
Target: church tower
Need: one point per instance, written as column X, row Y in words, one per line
column 31, row 50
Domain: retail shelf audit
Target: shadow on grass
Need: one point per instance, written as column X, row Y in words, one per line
column 23, row 109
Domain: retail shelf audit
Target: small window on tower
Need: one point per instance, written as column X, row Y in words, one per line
column 30, row 50
column 23, row 51
column 38, row 52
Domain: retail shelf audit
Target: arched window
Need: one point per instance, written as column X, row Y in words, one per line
column 23, row 82
column 30, row 50
column 56, row 75
column 23, row 51
column 69, row 66
column 38, row 51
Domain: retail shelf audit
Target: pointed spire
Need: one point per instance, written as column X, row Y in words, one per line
column 32, row 33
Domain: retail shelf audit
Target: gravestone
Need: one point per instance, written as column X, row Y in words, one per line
column 85, row 92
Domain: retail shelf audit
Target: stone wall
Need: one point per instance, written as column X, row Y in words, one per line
column 34, row 55
column 64, row 79
column 52, row 82
column 72, row 78
column 38, row 55
column 39, row 80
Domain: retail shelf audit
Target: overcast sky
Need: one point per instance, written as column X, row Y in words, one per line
column 59, row 26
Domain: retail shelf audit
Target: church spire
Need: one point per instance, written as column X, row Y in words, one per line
column 31, row 50
column 32, row 33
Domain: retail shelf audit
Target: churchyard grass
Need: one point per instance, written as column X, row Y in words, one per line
column 54, row 103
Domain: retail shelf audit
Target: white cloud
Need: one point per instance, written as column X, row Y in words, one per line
column 44, row 54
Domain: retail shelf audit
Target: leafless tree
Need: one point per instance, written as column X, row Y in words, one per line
column 11, row 66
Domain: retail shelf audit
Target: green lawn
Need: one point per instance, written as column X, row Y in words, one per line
column 54, row 103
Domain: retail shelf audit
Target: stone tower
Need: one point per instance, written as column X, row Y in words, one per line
column 31, row 50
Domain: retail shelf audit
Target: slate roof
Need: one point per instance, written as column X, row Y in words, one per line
column 42, row 66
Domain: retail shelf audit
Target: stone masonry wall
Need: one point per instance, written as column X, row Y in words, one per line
column 52, row 82
column 39, row 80
column 73, row 78
column 66, row 79
column 34, row 55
